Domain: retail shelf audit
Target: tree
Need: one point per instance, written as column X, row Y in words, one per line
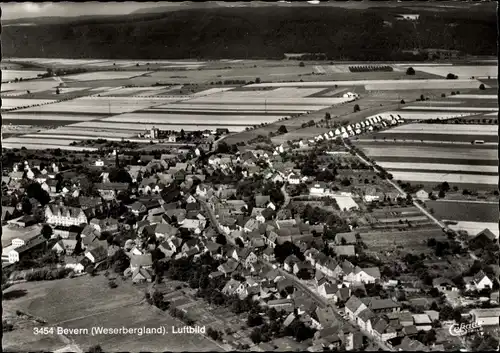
column 256, row 335
column 451, row 76
column 356, row 108
column 120, row 176
column 403, row 101
column 282, row 130
column 95, row 349
column 35, row 191
column 58, row 91
column 26, row 205
column 410, row 71
column 257, row 80
column 47, row 231
column 327, row 116
column 441, row 194
column 254, row 319
column 481, row 87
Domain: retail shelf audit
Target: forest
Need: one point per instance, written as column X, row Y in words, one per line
column 255, row 33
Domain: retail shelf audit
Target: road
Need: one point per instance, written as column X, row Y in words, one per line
column 287, row 197
column 211, row 215
column 397, row 187
column 323, row 303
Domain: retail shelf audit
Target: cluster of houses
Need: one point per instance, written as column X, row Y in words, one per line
column 188, row 222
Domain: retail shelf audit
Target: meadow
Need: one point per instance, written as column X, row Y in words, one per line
column 465, row 211
column 11, row 75
column 86, row 302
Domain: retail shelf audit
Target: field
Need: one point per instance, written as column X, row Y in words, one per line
column 11, row 75
column 460, row 109
column 9, row 103
column 455, row 129
column 443, row 176
column 408, row 241
column 104, row 75
column 445, row 152
column 461, row 71
column 473, row 228
column 381, row 85
column 465, row 211
column 87, row 302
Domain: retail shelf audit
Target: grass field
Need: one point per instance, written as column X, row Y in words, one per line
column 440, row 177
column 9, row 103
column 409, row 241
column 461, row 71
column 464, row 211
column 10, row 75
column 468, row 129
column 105, row 75
column 87, row 302
column 473, row 228
column 445, row 152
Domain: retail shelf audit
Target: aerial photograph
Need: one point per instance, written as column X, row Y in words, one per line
column 250, row 176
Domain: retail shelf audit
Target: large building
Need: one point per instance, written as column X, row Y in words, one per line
column 64, row 216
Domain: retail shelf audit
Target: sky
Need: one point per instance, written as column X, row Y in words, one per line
column 12, row 11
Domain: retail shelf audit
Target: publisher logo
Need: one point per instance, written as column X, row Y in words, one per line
column 465, row 329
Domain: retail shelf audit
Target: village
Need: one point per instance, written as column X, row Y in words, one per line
column 295, row 247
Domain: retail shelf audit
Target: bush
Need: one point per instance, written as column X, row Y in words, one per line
column 356, row 108
column 481, row 87
column 443, row 95
column 451, row 76
column 410, row 71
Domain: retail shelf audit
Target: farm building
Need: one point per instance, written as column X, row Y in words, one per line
column 486, row 317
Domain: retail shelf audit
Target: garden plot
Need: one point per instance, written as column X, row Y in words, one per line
column 474, row 228
column 432, row 152
column 188, row 119
column 459, row 109
column 379, row 85
column 47, row 117
column 412, row 240
column 462, row 71
column 345, row 202
column 101, row 105
column 440, row 177
column 475, row 96
column 105, row 75
column 9, row 103
column 468, row 129
column 11, row 75
column 438, row 167
column 139, row 126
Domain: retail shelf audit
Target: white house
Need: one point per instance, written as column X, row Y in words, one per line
column 422, row 195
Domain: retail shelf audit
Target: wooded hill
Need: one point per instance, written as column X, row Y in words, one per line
column 252, row 33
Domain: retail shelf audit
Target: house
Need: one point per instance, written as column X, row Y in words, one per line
column 268, row 254
column 97, row 254
column 138, row 208
column 363, row 275
column 141, row 275
column 327, row 290
column 378, row 305
column 353, row 307
column 422, row 195
column 486, row 317
column 363, row 319
column 348, row 238
column 165, row 230
column 64, row 216
column 344, row 250
column 281, row 304
column 382, row 329
column 231, row 287
column 109, row 191
column 228, row 267
column 480, row 281
column 262, row 200
column 166, row 249
column 141, row 261
column 16, row 253
column 422, row 322
column 289, row 262
column 483, row 239
column 104, row 225
column 319, row 189
column 293, row 179
column 65, row 246
column 444, row 284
